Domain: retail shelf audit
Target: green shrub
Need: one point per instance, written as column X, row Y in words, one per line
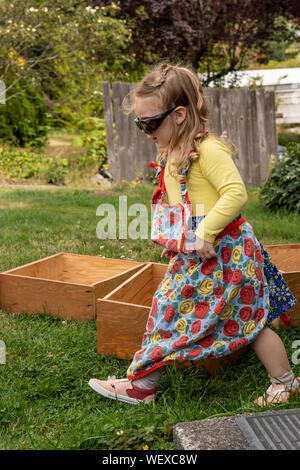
column 57, row 171
column 285, row 138
column 17, row 165
column 24, row 118
column 281, row 190
column 95, row 141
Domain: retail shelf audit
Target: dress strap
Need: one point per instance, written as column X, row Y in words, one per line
column 160, row 193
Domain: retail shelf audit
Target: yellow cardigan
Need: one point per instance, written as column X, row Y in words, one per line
column 215, row 184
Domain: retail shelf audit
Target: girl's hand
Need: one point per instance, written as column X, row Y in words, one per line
column 204, row 249
column 167, row 253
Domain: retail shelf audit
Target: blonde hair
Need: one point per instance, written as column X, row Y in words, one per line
column 175, row 85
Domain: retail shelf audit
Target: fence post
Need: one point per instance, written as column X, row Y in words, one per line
column 113, row 160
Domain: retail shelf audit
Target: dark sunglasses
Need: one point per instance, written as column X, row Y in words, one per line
column 151, row 124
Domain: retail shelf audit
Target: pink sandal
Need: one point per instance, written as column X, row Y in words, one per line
column 122, row 390
column 276, row 393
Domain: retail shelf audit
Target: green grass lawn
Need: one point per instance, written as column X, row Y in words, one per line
column 45, row 402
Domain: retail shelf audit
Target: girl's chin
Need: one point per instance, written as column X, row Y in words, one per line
column 159, row 145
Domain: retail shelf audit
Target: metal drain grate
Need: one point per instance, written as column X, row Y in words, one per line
column 272, row 431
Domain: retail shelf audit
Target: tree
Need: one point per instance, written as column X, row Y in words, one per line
column 214, row 36
column 62, row 48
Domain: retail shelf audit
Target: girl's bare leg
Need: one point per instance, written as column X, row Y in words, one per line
column 271, row 351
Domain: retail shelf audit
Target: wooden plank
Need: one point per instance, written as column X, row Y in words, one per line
column 110, row 133
column 159, row 272
column 26, row 268
column 264, row 153
column 134, row 169
column 140, row 287
column 77, row 269
column 120, row 328
column 145, row 295
column 246, row 131
column 234, row 134
column 242, row 141
column 134, row 155
column 23, row 294
column 128, row 289
column 107, row 286
column 271, row 131
column 118, row 126
column 133, row 277
column 46, row 268
column 125, row 137
column 253, row 132
column 212, row 97
column 91, row 269
column 285, row 257
column 229, row 105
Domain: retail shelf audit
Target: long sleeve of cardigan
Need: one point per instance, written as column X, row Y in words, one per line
column 219, row 169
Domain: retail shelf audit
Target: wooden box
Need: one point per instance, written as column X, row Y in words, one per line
column 287, row 260
column 122, row 316
column 64, row 285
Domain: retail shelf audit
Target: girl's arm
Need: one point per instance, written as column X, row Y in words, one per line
column 218, row 168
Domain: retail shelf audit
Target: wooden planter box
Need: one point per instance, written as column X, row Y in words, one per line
column 64, row 285
column 122, row 316
column 287, row 260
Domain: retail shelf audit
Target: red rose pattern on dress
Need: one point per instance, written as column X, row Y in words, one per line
column 215, row 308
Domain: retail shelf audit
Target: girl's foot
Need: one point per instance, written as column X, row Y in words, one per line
column 276, row 393
column 122, row 390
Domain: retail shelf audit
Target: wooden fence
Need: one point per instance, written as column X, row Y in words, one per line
column 248, row 116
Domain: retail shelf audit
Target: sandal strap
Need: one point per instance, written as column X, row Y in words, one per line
column 276, row 392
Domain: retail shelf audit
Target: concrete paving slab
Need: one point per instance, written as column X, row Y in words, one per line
column 221, row 433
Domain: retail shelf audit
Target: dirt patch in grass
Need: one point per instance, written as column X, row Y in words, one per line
column 63, row 149
column 5, row 205
column 7, row 185
column 104, row 193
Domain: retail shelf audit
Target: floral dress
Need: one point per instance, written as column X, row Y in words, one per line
column 212, row 307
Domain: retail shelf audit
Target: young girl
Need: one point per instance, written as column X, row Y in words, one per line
column 222, row 296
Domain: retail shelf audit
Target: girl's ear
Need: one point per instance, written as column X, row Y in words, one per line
column 180, row 114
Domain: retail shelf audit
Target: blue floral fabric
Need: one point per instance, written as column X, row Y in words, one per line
column 281, row 297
